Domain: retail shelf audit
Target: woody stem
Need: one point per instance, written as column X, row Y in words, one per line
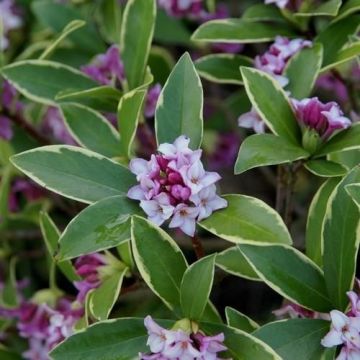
column 198, row 247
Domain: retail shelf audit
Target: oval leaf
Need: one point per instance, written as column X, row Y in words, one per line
column 240, row 321
column 325, row 168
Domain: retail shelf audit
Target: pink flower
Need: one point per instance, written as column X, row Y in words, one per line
column 279, row 3
column 252, row 120
column 209, row 346
column 151, row 100
column 6, row 132
column 159, row 209
column 295, row 311
column 182, row 8
column 185, row 219
column 355, row 304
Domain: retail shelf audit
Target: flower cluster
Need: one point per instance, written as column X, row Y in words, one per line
column 177, row 344
column 9, row 20
column 294, row 311
column 182, row 8
column 345, row 330
column 174, row 184
column 273, row 62
column 319, row 121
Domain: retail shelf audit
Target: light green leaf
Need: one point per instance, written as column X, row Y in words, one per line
column 341, row 235
column 290, row 273
column 239, row 31
column 103, row 299
column 51, row 235
column 137, row 30
column 42, row 80
column 302, row 71
column 91, row 130
column 234, row 262
column 328, row 8
column 75, row 173
column 335, row 36
column 100, row 226
column 57, row 16
column 271, row 102
column 258, row 150
column 101, row 98
column 247, row 220
column 9, row 292
column 354, row 192
column 348, row 139
column 68, row 29
column 325, row 168
column 199, row 276
column 348, row 8
column 315, row 221
column 159, row 260
column 180, row 106
column 222, row 68
column 262, row 12
column 295, row 339
column 241, row 345
column 128, row 114
column 107, row 340
column 349, row 159
column 240, row 321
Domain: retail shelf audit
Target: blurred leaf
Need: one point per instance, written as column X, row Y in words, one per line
column 247, row 220
column 180, row 106
column 315, row 221
column 341, row 241
column 302, row 71
column 128, row 114
column 239, row 31
column 110, row 20
column 328, row 8
column 161, row 63
column 354, row 192
column 234, row 262
column 5, row 184
column 9, row 295
column 222, row 68
column 240, row 321
column 271, row 102
column 295, row 339
column 325, row 168
column 290, row 273
column 348, row 8
column 199, row 276
column 137, row 30
column 258, row 150
column 262, row 12
column 100, row 226
column 73, row 172
column 91, row 129
column 349, row 159
column 42, row 80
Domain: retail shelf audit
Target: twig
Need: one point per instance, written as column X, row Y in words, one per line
column 198, row 247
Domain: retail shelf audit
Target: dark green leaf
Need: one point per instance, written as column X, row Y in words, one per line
column 325, row 168
column 240, row 321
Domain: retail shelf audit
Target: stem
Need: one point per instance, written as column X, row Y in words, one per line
column 198, row 247
column 29, row 128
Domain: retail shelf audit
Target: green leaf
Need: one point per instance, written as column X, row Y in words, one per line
column 9, row 292
column 5, row 184
column 51, row 235
column 348, row 53
column 91, row 130
column 328, row 8
column 110, row 20
column 101, row 98
column 325, row 168
column 222, row 68
column 335, row 36
column 103, row 299
column 75, row 173
column 239, row 31
column 258, row 150
column 302, row 71
column 341, row 235
column 42, row 80
column 159, row 260
column 240, row 321
column 8, row 354
column 315, row 221
column 295, row 339
column 137, row 30
column 349, row 159
column 262, row 12
column 128, row 114
column 354, row 192
column 240, row 344
column 100, row 226
column 350, row 7
column 348, row 139
column 290, row 273
column 271, row 102
column 234, row 262
column 57, row 16
column 199, row 276
column 68, row 29
column 180, row 106
column 247, row 220
column 107, row 340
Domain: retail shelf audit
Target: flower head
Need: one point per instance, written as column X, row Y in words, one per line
column 182, row 8
column 174, row 185
column 9, row 20
column 252, row 120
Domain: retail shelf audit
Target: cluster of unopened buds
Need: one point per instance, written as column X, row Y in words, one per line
column 178, row 344
column 345, row 330
column 173, row 184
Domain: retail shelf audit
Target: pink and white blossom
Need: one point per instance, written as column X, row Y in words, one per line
column 184, row 218
column 159, row 209
column 252, row 120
